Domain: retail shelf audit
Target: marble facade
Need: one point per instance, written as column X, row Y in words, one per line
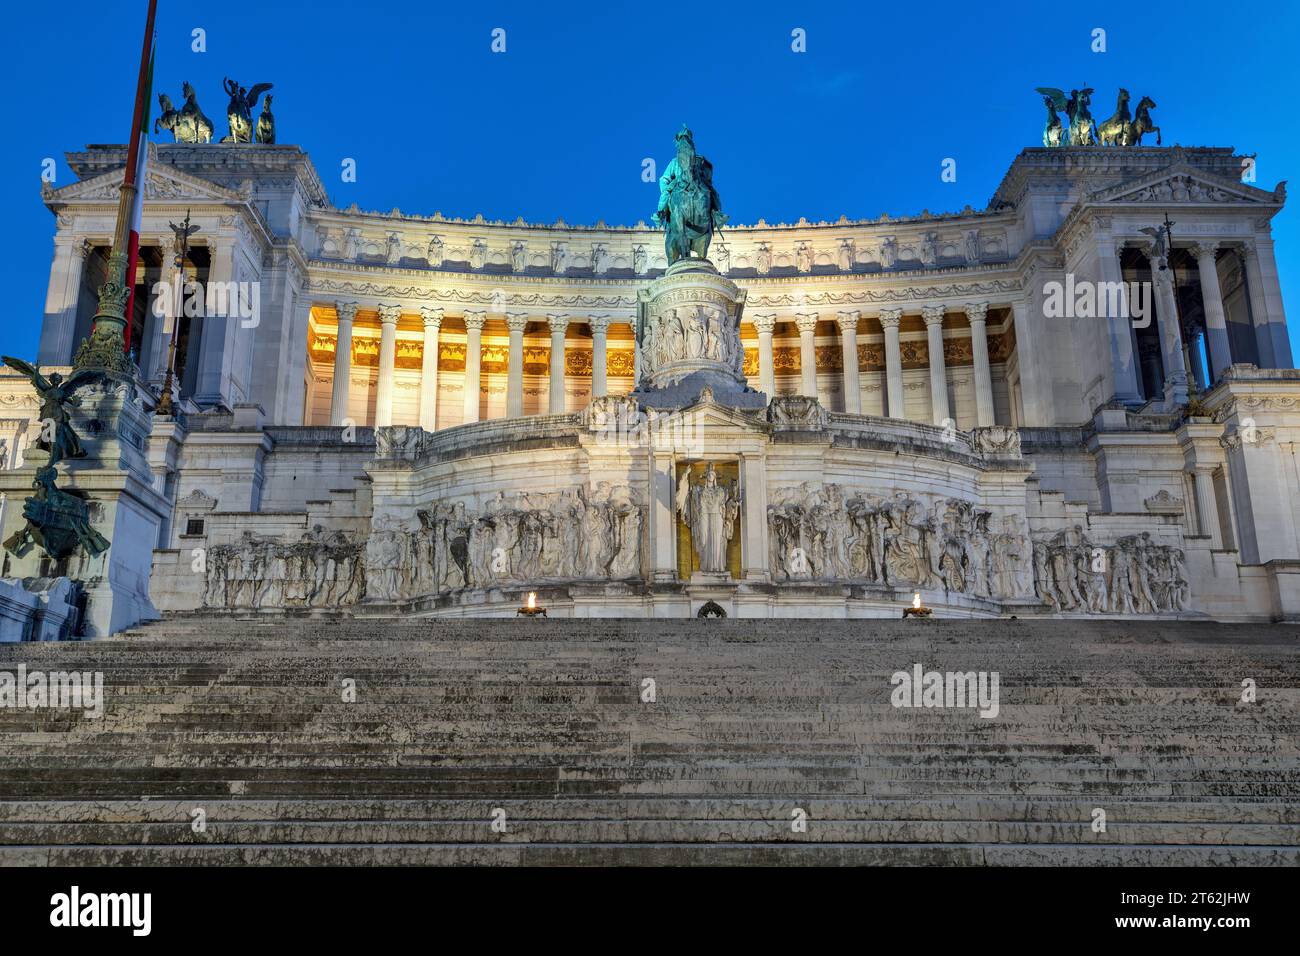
column 441, row 414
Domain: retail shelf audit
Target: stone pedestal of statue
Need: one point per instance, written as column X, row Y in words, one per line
column 688, row 339
column 712, row 579
column 124, row 506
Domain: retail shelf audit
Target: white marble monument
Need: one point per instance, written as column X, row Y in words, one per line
column 997, row 407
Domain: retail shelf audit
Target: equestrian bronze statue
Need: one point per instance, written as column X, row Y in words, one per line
column 690, row 211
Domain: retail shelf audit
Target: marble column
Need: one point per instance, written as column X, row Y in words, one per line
column 432, row 316
column 1277, row 328
column 1119, row 326
column 755, row 549
column 977, row 315
column 473, row 363
column 1216, row 325
column 347, row 313
column 599, row 349
column 558, row 324
column 516, row 322
column 212, row 386
column 765, row 325
column 1171, row 333
column 662, row 518
column 1270, row 318
column 388, row 316
column 59, row 330
column 933, row 316
column 1196, row 359
column 889, row 321
column 848, row 323
column 1207, row 506
column 807, row 325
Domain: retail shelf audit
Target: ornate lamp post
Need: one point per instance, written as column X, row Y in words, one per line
column 182, row 248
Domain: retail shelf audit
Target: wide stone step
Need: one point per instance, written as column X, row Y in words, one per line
column 245, row 719
column 1060, row 810
column 357, row 783
column 664, row 854
column 819, row 830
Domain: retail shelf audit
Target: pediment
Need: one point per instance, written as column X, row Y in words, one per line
column 163, row 183
column 1181, row 184
column 707, row 413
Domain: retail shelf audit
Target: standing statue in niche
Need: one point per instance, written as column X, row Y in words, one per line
column 709, row 510
column 689, row 208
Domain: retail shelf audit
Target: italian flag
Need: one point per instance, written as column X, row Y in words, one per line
column 140, row 143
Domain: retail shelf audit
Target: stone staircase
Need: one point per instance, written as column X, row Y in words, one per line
column 541, row 724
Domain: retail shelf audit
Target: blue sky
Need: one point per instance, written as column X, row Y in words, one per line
column 559, row 124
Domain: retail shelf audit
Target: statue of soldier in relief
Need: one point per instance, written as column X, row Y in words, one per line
column 709, row 510
column 689, row 208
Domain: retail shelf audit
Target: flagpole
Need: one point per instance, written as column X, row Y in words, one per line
column 104, row 348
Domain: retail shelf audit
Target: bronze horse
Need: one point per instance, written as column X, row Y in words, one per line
column 1123, row 129
column 188, row 124
column 1115, row 131
column 1052, row 131
column 1142, row 122
column 1083, row 129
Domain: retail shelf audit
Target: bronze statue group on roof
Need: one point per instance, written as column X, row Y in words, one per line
column 1124, row 128
column 190, row 125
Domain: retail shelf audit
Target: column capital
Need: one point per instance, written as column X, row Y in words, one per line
column 474, row 320
column 806, row 321
column 557, row 321
column 848, row 321
column 389, row 314
column 432, row 315
column 599, row 324
column 976, row 311
column 932, row 314
column 890, row 318
column 516, row 321
column 347, row 311
column 1205, row 249
column 765, row 323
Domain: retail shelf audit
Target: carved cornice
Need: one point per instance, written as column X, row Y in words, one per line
column 1000, row 288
